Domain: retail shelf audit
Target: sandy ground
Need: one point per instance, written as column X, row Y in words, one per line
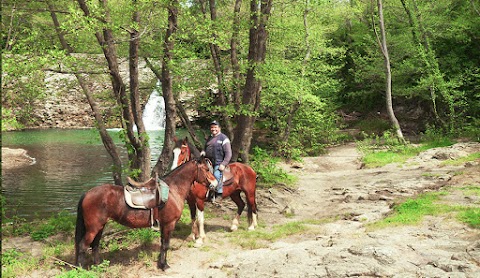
column 334, row 188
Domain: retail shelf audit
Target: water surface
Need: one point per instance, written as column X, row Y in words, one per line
column 68, row 163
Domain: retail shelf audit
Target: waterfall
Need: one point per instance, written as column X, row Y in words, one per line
column 154, row 112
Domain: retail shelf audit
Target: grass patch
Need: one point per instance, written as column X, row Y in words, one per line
column 471, row 216
column 16, row 263
column 412, row 211
column 471, row 190
column 260, row 238
column 380, row 151
column 462, row 160
column 95, row 271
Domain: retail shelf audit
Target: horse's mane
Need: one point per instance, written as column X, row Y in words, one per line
column 177, row 168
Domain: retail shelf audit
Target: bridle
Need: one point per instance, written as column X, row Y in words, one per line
column 204, row 174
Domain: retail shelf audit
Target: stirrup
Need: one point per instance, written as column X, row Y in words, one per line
column 156, row 226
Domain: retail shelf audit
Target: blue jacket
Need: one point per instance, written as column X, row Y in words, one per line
column 218, row 149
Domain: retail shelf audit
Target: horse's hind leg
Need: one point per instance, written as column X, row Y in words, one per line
column 96, row 247
column 240, row 206
column 252, row 211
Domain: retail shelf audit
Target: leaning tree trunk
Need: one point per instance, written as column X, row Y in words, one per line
column 166, row 79
column 107, row 41
column 106, row 138
column 388, row 74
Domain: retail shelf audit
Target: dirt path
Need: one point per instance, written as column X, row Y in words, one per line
column 334, row 187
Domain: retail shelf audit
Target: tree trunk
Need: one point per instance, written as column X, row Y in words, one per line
column 388, row 74
column 106, row 139
column 166, row 79
column 143, row 154
column 217, row 63
column 253, row 87
column 234, row 41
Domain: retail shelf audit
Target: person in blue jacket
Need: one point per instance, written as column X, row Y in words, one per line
column 219, row 150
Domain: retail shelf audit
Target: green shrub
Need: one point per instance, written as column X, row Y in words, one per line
column 265, row 165
column 62, row 222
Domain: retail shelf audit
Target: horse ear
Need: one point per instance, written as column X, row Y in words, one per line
column 185, row 141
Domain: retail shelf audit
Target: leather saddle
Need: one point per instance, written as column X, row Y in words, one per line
column 146, row 195
column 227, row 176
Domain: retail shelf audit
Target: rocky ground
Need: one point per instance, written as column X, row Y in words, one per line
column 335, row 188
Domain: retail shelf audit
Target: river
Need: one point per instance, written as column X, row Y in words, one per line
column 68, row 163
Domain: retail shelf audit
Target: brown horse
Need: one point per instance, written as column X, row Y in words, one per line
column 244, row 180
column 107, row 201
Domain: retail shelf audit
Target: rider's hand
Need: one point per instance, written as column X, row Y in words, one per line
column 221, row 167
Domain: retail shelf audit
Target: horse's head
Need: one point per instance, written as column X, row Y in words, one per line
column 204, row 174
column 181, row 152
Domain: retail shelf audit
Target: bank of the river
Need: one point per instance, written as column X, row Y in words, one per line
column 14, row 158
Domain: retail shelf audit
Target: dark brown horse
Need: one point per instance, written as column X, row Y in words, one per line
column 244, row 180
column 107, row 202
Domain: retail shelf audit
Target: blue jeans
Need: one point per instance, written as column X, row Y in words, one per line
column 218, row 175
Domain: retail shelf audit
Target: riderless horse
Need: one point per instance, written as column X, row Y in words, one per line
column 107, row 201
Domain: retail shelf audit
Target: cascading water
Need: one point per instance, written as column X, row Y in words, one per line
column 154, row 112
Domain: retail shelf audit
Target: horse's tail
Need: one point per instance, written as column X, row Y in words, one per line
column 80, row 228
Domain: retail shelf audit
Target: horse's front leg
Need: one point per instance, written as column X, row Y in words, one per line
column 167, row 230
column 201, row 226
column 191, row 201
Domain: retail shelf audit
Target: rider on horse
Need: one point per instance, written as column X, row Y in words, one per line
column 218, row 149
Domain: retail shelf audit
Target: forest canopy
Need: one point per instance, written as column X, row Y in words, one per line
column 319, row 65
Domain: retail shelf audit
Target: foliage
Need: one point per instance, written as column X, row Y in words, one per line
column 9, row 121
column 15, row 263
column 95, row 271
column 316, row 63
column 62, row 222
column 268, row 173
column 145, row 236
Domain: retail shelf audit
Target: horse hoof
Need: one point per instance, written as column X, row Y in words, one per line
column 252, row 228
column 163, row 266
column 233, row 228
column 198, row 244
